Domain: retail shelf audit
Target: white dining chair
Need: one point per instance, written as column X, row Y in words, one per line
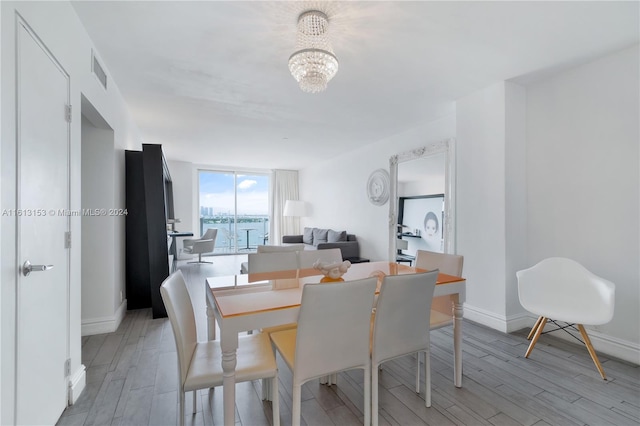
column 272, row 249
column 332, row 336
column 244, row 266
column 307, row 258
column 561, row 289
column 271, row 262
column 441, row 309
column 200, row 363
column 401, row 326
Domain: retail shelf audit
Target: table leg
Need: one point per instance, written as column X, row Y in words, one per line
column 457, row 340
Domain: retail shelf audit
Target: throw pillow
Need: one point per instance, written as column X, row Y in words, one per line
column 319, row 236
column 307, row 236
column 336, row 236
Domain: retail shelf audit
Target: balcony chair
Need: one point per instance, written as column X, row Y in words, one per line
column 198, row 246
column 200, row 363
column 332, row 336
column 400, row 326
column 560, row 289
column 441, row 309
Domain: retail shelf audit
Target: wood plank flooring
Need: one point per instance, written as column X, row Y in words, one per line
column 132, row 380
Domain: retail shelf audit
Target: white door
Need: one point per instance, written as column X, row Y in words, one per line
column 43, row 195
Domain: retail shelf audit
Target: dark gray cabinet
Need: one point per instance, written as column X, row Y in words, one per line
column 147, row 256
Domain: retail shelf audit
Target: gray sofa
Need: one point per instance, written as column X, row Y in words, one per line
column 322, row 238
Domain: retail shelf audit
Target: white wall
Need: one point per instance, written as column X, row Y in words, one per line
column 515, row 200
column 183, row 202
column 336, row 189
column 480, row 215
column 583, row 179
column 97, row 231
column 58, row 26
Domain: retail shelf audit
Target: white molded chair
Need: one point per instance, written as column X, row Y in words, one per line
column 441, row 309
column 561, row 289
column 401, row 326
column 200, row 363
column 306, row 258
column 332, row 336
column 201, row 245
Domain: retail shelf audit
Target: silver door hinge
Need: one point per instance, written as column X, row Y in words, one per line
column 67, row 239
column 67, row 113
column 67, row 367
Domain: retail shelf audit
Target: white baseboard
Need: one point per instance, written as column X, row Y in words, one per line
column 603, row 343
column 77, row 382
column 102, row 325
column 484, row 317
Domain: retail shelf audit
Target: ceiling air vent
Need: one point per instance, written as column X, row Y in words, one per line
column 97, row 70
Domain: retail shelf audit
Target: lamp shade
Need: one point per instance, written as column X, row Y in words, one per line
column 295, row 208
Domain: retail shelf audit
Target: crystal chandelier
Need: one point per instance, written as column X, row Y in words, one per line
column 314, row 63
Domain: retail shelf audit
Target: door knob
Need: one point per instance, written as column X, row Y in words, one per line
column 28, row 268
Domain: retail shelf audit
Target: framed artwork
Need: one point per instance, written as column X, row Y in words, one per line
column 423, row 217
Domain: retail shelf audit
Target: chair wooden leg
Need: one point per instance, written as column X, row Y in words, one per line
column 534, row 328
column 591, row 350
column 536, row 336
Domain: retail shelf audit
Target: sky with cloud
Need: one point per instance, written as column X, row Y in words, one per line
column 217, row 191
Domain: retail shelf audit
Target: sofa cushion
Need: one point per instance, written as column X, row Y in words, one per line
column 336, row 236
column 307, row 236
column 319, row 236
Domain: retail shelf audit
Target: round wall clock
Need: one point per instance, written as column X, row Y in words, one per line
column 378, row 187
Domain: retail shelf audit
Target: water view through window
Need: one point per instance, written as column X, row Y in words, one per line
column 237, row 204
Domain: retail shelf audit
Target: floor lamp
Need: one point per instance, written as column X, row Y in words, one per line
column 295, row 209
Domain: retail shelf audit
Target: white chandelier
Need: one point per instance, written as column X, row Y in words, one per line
column 314, row 63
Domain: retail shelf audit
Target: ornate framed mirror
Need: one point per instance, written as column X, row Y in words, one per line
column 441, row 156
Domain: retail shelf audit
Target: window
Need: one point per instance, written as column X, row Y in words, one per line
column 237, row 204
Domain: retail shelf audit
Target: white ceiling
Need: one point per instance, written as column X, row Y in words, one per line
column 209, row 79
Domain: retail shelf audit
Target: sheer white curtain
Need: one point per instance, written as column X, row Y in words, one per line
column 284, row 186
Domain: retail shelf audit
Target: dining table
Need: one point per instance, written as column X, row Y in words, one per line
column 245, row 302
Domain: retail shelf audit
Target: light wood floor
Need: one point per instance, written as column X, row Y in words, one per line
column 132, row 380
